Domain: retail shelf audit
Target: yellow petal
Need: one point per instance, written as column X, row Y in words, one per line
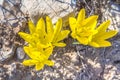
column 36, row 38
column 26, row 37
column 29, row 62
column 39, row 66
column 57, row 29
column 33, row 53
column 62, row 35
column 49, row 63
column 48, row 51
column 48, row 38
column 59, row 44
column 38, row 56
column 72, row 22
column 90, row 22
column 90, row 38
column 73, row 34
column 31, row 27
column 49, row 25
column 94, row 44
column 92, row 26
column 81, row 16
column 87, row 33
column 83, row 40
column 50, row 30
column 41, row 46
column 26, row 49
column 40, row 28
column 103, row 43
column 103, row 26
column 107, row 35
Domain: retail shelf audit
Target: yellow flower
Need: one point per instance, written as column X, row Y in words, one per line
column 99, row 39
column 45, row 35
column 37, row 36
column 83, row 28
column 38, row 58
column 56, row 34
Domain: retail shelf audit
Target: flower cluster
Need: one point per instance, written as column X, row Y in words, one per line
column 86, row 32
column 42, row 39
column 45, row 36
column 38, row 57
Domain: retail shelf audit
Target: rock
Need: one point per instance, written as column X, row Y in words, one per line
column 1, row 2
column 20, row 53
column 7, row 47
column 11, row 72
column 116, row 1
column 114, row 52
column 2, row 73
column 9, row 15
column 6, row 54
column 53, row 8
column 112, row 12
column 1, row 15
column 110, row 73
column 10, row 10
column 28, row 77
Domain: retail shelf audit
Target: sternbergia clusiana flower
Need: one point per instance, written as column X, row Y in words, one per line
column 85, row 30
column 100, row 38
column 45, row 35
column 42, row 39
column 39, row 58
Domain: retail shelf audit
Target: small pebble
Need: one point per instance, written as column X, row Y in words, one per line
column 20, row 53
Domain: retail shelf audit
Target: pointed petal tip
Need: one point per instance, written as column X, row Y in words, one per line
column 95, row 16
column 60, row 20
column 101, row 44
column 71, row 19
column 115, row 32
column 20, row 33
column 41, row 19
column 60, row 44
column 82, row 10
column 29, row 21
column 47, row 18
column 107, row 22
column 39, row 67
column 49, row 63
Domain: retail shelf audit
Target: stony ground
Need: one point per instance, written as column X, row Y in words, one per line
column 74, row 62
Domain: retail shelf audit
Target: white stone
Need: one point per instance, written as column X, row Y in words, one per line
column 1, row 2
column 112, row 13
column 6, row 53
column 53, row 8
column 20, row 53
